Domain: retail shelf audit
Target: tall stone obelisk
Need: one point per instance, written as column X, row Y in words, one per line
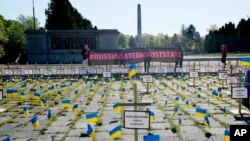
column 139, row 36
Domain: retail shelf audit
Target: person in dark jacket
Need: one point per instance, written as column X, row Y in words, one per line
column 85, row 55
column 223, row 54
column 178, row 61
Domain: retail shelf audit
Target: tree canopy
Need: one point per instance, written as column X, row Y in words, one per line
column 62, row 16
column 237, row 38
column 12, row 40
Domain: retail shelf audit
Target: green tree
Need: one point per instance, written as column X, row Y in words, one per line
column 12, row 40
column 123, row 41
column 62, row 16
column 132, row 42
column 28, row 22
column 3, row 38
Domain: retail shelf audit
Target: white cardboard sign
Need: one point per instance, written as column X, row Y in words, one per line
column 239, row 92
column 147, row 79
column 47, row 72
column 106, row 74
column 231, row 80
column 222, row 76
column 193, row 74
column 136, row 119
column 28, row 72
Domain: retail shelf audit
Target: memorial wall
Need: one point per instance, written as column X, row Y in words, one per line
column 64, row 46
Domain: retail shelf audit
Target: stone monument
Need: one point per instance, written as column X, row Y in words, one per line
column 64, row 46
column 139, row 32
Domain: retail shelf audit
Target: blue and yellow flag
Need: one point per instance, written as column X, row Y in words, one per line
column 43, row 102
column 11, row 93
column 65, row 103
column 224, row 111
column 177, row 101
column 200, row 112
column 7, row 139
column 26, row 109
column 117, row 107
column 63, row 87
column 59, row 93
column 132, row 71
column 91, row 92
column 37, row 95
column 175, row 111
column 75, row 108
column 179, row 121
column 227, row 135
column 90, row 132
column 116, row 132
column 151, row 115
column 22, row 95
column 244, row 61
column 214, row 94
column 207, row 122
column 49, row 115
column 92, row 118
column 51, row 87
column 187, row 105
column 35, row 121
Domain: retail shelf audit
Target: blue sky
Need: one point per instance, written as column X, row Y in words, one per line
column 158, row 16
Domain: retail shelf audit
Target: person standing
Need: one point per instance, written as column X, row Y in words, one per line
column 85, row 54
column 178, row 61
column 223, row 54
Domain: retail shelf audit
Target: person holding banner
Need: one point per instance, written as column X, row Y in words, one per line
column 85, row 55
column 223, row 54
column 178, row 61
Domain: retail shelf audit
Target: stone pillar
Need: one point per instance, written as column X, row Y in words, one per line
column 139, row 35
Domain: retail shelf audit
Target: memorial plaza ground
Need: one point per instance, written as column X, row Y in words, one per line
column 173, row 97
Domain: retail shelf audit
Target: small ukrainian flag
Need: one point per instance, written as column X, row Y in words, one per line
column 59, row 93
column 175, row 111
column 151, row 115
column 207, row 122
column 132, row 71
column 92, row 118
column 214, row 94
column 180, row 121
column 49, row 115
column 200, row 112
column 63, row 87
column 227, row 135
column 224, row 111
column 35, row 121
column 116, row 132
column 117, row 107
column 187, row 105
column 26, row 110
column 37, row 95
column 177, row 101
column 43, row 102
column 91, row 92
column 22, row 95
column 244, row 61
column 75, row 108
column 65, row 103
column 90, row 132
